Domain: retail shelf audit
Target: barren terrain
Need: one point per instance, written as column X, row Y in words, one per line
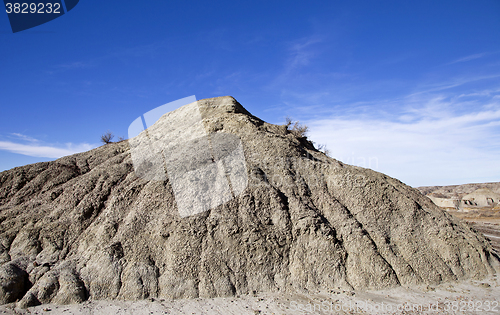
column 251, row 218
column 466, row 297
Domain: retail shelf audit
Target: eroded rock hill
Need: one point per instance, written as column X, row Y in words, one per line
column 87, row 227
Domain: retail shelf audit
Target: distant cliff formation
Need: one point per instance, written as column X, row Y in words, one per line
column 465, row 197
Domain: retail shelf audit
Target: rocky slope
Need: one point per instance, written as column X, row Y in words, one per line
column 87, row 227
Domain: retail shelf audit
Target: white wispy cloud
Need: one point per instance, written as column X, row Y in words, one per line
column 440, row 127
column 430, row 144
column 23, row 137
column 468, row 58
column 35, row 149
column 75, row 65
column 457, row 82
column 301, row 53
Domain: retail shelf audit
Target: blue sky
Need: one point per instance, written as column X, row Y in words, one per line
column 408, row 88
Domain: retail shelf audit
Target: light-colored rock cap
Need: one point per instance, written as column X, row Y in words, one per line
column 482, row 197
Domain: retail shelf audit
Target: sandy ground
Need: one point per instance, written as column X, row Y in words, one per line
column 468, row 297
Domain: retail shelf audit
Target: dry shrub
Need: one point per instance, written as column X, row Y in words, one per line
column 296, row 127
column 106, row 138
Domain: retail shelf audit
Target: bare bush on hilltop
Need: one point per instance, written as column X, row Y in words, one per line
column 296, row 128
column 107, row 137
column 323, row 148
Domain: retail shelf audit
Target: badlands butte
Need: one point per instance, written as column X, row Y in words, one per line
column 86, row 227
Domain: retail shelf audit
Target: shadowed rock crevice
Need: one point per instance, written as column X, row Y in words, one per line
column 87, row 227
